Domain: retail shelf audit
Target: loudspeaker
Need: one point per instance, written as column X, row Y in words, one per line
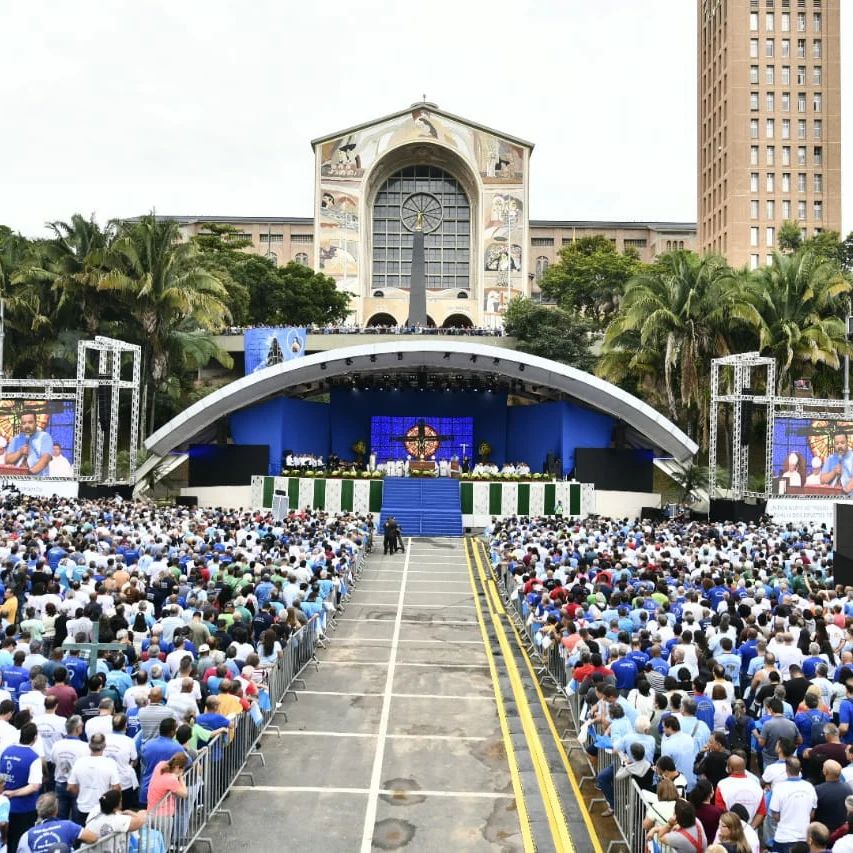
column 103, row 405
column 186, row 500
column 651, row 513
column 842, row 558
column 725, row 510
column 746, row 421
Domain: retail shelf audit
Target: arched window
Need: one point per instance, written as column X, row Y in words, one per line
column 457, row 321
column 447, row 249
column 382, row 320
column 542, row 264
column 301, row 258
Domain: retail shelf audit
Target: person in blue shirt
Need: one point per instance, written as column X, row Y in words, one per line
column 730, row 662
column 681, row 748
column 31, row 448
column 704, row 705
column 78, row 670
column 845, row 716
column 625, row 671
column 23, row 767
column 52, row 834
column 154, row 751
column 838, row 469
column 810, row 664
column 806, row 720
column 14, row 676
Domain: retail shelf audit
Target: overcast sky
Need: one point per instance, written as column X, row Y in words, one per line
column 208, row 107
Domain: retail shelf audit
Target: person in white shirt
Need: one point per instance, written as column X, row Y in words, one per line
column 183, row 702
column 8, row 733
column 50, row 725
column 792, row 804
column 91, row 777
column 33, row 700
column 59, row 466
column 103, row 723
column 122, row 750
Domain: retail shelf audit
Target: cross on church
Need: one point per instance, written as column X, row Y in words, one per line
column 421, row 438
column 93, row 648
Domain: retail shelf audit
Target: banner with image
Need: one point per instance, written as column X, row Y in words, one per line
column 37, row 438
column 265, row 347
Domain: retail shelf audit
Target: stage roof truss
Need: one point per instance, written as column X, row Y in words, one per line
column 742, row 373
column 311, row 374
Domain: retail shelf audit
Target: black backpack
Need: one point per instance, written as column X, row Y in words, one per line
column 739, row 735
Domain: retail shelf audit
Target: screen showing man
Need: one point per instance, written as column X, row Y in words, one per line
column 813, row 456
column 31, row 449
column 838, row 468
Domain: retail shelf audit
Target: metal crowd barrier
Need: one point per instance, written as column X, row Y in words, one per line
column 553, row 669
column 175, row 823
column 629, row 809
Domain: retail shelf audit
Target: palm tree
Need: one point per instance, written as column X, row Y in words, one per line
column 27, row 304
column 799, row 301
column 168, row 295
column 673, row 320
column 74, row 261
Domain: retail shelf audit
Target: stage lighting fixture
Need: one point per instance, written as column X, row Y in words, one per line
column 521, row 367
column 446, row 355
column 348, row 362
column 474, row 359
column 399, row 356
column 496, row 361
column 373, row 359
column 323, row 365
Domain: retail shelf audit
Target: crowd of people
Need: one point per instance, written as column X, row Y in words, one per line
column 196, row 606
column 353, row 329
column 712, row 664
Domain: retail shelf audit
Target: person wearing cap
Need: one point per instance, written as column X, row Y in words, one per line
column 92, row 776
column 50, row 832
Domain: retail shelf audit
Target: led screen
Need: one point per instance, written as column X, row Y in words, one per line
column 812, row 457
column 421, row 437
column 37, row 438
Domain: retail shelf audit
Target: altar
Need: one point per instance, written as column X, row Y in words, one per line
column 444, row 468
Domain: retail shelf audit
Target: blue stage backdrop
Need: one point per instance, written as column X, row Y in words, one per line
column 804, row 448
column 266, row 347
column 397, row 438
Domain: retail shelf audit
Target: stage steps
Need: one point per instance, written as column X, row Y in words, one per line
column 423, row 506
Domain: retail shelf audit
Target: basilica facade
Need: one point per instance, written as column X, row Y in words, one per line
column 466, row 185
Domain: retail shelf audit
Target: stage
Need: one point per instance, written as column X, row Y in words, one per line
column 418, row 402
column 531, row 433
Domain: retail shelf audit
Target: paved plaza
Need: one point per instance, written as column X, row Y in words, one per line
column 395, row 742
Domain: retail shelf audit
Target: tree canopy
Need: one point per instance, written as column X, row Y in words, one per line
column 590, row 277
column 551, row 333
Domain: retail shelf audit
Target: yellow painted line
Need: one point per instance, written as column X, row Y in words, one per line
column 573, row 780
column 521, row 805
column 553, row 809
